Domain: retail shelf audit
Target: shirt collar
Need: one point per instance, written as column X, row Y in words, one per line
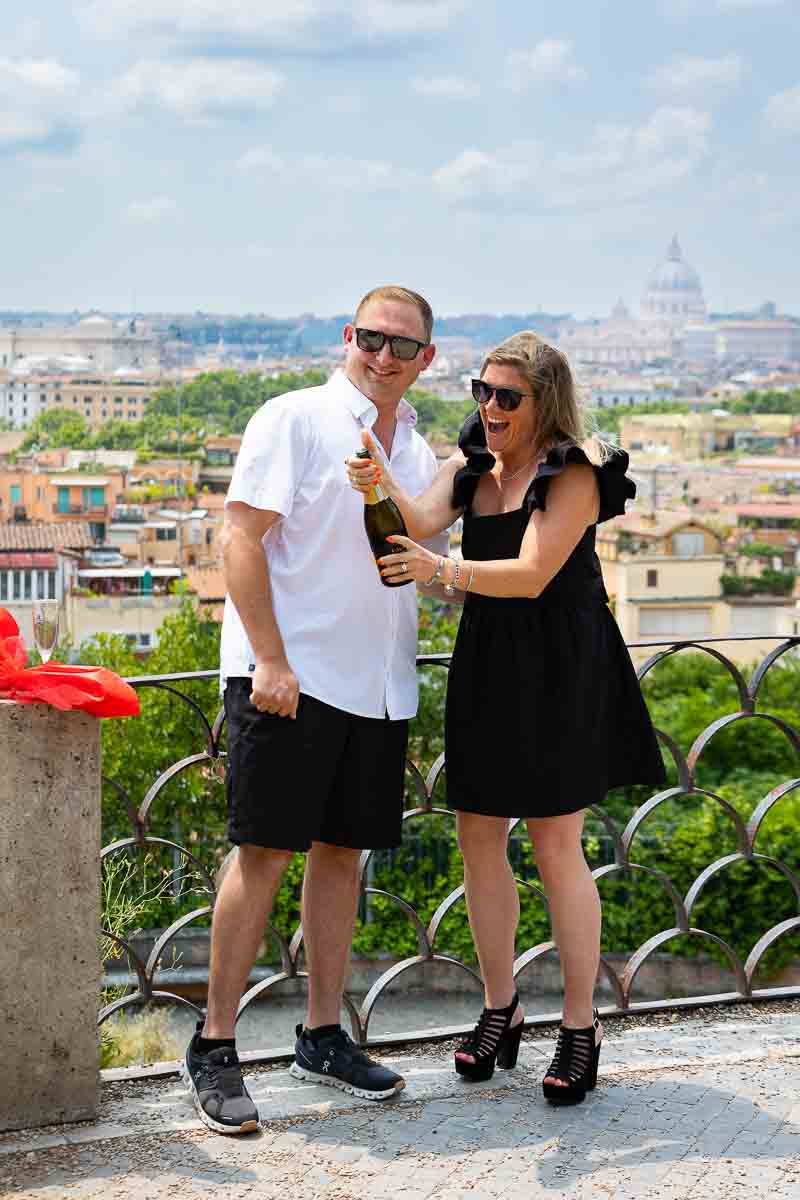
column 362, row 407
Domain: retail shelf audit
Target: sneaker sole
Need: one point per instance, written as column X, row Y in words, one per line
column 299, row 1072
column 209, row 1122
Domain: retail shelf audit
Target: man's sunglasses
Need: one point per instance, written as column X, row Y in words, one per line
column 404, row 348
column 507, row 399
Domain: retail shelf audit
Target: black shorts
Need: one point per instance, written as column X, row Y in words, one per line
column 328, row 776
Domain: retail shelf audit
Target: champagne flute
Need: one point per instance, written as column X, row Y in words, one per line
column 45, row 627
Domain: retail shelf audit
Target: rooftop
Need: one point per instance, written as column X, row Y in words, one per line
column 43, row 535
column 655, row 526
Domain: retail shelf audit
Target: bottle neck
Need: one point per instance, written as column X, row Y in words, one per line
column 375, row 495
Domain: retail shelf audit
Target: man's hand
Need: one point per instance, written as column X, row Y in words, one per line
column 275, row 688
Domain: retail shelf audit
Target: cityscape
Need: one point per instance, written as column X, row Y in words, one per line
column 96, row 511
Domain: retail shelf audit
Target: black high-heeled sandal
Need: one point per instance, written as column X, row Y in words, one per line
column 575, row 1061
column 491, row 1041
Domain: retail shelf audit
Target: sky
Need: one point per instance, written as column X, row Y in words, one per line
column 236, row 156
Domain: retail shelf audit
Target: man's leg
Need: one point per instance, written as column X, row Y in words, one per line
column 363, row 808
column 330, row 900
column 211, row 1067
column 240, row 917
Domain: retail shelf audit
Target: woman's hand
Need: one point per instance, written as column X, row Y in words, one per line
column 409, row 560
column 364, row 473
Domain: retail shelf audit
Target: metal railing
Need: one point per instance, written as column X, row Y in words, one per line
column 624, row 841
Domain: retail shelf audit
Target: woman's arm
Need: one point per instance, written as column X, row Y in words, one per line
column 551, row 536
column 424, row 515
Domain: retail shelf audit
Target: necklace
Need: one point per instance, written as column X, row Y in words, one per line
column 507, row 478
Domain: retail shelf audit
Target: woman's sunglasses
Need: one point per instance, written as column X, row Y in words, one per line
column 404, row 348
column 507, row 399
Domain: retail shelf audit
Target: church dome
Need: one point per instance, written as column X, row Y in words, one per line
column 674, row 292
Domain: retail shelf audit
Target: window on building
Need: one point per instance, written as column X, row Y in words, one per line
column 51, row 585
column 750, row 620
column 167, row 535
column 652, row 578
column 16, row 579
column 139, row 641
column 4, row 586
column 687, row 545
column 27, row 584
column 41, row 586
column 675, row 622
column 16, row 493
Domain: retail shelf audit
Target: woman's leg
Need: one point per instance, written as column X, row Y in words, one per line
column 492, row 905
column 574, row 910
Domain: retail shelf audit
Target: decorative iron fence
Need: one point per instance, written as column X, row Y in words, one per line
column 624, row 858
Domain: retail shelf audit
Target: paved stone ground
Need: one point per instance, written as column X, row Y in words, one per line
column 687, row 1109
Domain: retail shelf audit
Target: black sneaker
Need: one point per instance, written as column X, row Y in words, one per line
column 217, row 1089
column 336, row 1060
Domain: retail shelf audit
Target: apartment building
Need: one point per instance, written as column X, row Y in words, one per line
column 216, row 471
column 153, row 536
column 663, row 576
column 97, row 398
column 698, row 435
column 36, row 559
column 60, row 497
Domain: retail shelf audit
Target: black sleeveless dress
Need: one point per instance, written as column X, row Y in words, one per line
column 544, row 713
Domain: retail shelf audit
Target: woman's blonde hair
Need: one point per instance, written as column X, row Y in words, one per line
column 560, row 416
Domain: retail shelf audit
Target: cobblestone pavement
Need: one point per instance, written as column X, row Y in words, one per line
column 684, row 1110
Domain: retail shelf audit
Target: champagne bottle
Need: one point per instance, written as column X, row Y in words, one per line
column 382, row 519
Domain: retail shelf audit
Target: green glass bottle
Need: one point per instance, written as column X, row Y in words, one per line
column 382, row 519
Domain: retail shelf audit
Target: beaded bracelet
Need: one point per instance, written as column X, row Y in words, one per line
column 430, row 582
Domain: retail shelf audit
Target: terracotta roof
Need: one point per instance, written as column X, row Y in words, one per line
column 41, row 535
column 207, row 582
column 223, row 443
column 637, row 523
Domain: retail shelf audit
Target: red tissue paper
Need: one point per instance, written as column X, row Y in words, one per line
column 94, row 690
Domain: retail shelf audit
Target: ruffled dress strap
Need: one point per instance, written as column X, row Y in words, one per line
column 472, row 444
column 614, row 485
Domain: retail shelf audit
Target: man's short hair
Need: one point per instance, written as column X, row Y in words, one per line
column 404, row 296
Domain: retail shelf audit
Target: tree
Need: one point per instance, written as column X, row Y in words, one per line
column 58, row 428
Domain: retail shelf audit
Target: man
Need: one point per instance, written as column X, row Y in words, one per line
column 319, row 676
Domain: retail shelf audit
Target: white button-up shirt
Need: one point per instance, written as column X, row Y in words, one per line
column 350, row 640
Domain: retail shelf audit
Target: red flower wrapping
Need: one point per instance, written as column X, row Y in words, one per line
column 94, row 690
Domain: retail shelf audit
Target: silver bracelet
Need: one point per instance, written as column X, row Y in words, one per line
column 449, row 589
column 469, row 581
column 430, row 582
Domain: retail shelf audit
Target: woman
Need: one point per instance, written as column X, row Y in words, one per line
column 544, row 713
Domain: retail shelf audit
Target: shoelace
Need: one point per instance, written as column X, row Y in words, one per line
column 224, row 1079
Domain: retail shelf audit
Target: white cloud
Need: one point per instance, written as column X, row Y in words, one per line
column 782, row 112
column 198, row 88
column 327, row 172
column 302, row 26
column 620, row 164
column 474, row 173
column 260, row 158
column 35, row 96
column 445, row 87
column 691, row 76
column 148, row 212
column 550, row 61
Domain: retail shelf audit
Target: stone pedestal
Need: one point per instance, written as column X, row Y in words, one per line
column 49, row 914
